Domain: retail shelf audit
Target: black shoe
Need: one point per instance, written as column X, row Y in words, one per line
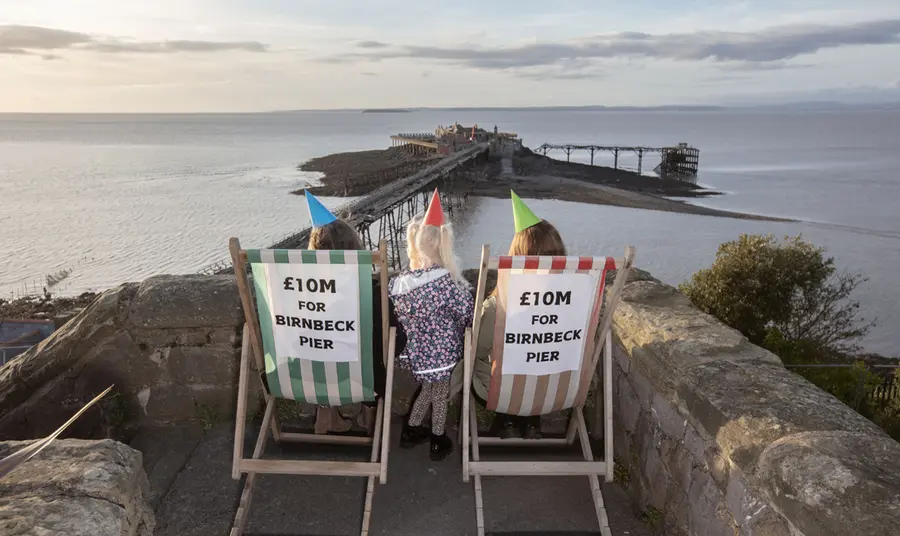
column 531, row 427
column 441, row 446
column 413, row 435
column 509, row 428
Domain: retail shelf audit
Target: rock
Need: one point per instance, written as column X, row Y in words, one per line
column 724, row 440
column 170, row 345
column 854, row 477
column 76, row 488
column 54, row 357
column 187, row 301
column 748, row 406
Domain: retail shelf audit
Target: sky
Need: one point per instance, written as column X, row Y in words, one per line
column 264, row 55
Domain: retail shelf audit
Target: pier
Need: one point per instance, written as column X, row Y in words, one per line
column 385, row 212
column 679, row 162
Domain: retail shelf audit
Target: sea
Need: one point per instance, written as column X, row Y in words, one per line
column 97, row 200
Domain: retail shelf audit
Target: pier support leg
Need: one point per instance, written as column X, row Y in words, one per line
column 568, row 152
column 640, row 160
column 616, row 163
column 592, row 157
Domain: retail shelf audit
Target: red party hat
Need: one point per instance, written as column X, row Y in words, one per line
column 435, row 214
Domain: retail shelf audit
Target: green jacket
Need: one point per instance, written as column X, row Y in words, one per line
column 481, row 375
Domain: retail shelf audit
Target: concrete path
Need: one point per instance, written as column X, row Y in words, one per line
column 420, row 498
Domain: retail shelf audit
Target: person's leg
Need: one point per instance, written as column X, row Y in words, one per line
column 508, row 426
column 329, row 419
column 441, row 445
column 413, row 432
column 439, row 392
column 420, row 406
column 531, row 427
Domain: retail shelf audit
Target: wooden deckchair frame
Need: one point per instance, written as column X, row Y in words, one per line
column 380, row 438
column 474, row 466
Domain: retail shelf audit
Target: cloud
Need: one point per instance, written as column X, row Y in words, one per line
column 371, row 44
column 26, row 39
column 37, row 38
column 752, row 66
column 775, row 44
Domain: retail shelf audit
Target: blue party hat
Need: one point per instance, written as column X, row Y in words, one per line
column 319, row 215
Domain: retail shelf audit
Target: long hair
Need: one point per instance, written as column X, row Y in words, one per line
column 412, row 251
column 541, row 239
column 434, row 245
column 336, row 235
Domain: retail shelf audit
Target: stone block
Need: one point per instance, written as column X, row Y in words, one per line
column 627, row 403
column 170, row 403
column 118, row 360
column 666, row 336
column 60, row 351
column 229, row 336
column 749, row 405
column 671, row 422
column 835, row 482
column 708, row 514
column 213, row 365
column 187, row 301
column 216, row 403
column 752, row 513
column 76, row 488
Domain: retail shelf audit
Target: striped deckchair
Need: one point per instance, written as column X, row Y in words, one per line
column 528, row 395
column 307, row 376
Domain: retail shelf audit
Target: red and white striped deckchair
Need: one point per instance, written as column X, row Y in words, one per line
column 528, row 395
column 297, row 375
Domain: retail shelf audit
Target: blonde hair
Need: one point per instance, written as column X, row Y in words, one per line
column 412, row 252
column 429, row 244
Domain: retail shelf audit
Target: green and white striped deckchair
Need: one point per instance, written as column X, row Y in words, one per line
column 324, row 359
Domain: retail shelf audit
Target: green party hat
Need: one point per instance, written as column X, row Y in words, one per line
column 522, row 215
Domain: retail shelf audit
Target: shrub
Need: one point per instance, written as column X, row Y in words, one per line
column 757, row 285
column 790, row 299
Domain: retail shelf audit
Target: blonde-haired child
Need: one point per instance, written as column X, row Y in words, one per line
column 434, row 305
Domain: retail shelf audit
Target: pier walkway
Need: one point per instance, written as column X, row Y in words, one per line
column 384, row 213
column 675, row 162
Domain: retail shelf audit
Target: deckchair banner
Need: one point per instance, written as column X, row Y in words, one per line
column 561, row 264
column 538, row 381
column 315, row 315
column 547, row 319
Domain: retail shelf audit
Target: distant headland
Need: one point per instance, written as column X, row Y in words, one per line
column 385, row 111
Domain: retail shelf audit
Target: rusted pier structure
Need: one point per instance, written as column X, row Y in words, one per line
column 679, row 162
column 416, row 143
column 385, row 212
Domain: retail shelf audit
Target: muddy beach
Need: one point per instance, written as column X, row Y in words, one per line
column 530, row 175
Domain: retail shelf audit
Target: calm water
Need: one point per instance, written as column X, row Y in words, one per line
column 119, row 198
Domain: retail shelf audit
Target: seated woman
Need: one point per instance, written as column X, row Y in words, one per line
column 534, row 236
column 328, row 232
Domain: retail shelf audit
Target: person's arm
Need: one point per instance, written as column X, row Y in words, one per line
column 394, row 322
column 462, row 305
column 486, row 330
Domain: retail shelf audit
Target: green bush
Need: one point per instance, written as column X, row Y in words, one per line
column 757, row 284
column 790, row 299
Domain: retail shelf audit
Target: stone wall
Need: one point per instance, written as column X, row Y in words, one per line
column 76, row 488
column 171, row 346
column 715, row 437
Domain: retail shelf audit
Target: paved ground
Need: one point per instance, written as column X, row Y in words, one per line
column 194, row 494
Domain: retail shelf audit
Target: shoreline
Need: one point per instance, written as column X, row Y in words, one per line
column 532, row 176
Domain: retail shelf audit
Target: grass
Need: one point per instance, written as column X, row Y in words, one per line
column 208, row 417
column 653, row 517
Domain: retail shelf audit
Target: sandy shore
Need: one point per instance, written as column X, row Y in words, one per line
column 530, row 175
column 578, row 191
column 358, row 173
